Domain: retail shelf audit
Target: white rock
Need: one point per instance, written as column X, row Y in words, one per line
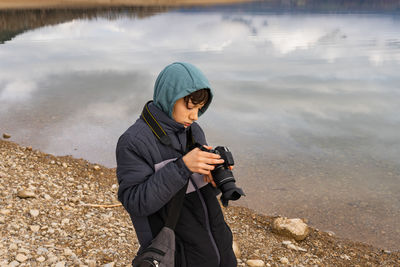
column 13, row 246
column 110, row 264
column 21, row 257
column 26, row 194
column 96, row 167
column 60, row 264
column 23, row 250
column 68, row 252
column 34, row 228
column 297, row 248
column 47, row 197
column 294, row 228
column 2, row 220
column 91, row 263
column 41, row 259
column 13, row 263
column 255, row 263
column 34, row 213
column 5, row 212
column 236, row 249
column 284, row 260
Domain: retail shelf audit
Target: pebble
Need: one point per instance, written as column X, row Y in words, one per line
column 13, row 263
column 21, row 257
column 284, row 260
column 25, row 194
column 2, row 220
column 34, row 228
column 236, row 249
column 41, row 259
column 6, row 136
column 255, row 263
column 96, row 167
column 13, row 246
column 5, row 212
column 34, row 213
column 60, row 264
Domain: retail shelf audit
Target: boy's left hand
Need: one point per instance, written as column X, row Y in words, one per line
column 209, row 179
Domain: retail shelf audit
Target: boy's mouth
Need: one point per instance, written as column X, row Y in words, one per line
column 187, row 124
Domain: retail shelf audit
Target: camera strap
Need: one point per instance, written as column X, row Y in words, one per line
column 155, row 126
column 175, row 204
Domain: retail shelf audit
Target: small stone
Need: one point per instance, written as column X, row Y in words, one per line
column 236, row 249
column 34, row 213
column 25, row 194
column 34, row 228
column 13, row 246
column 65, row 165
column 297, row 248
column 21, row 257
column 13, row 263
column 110, row 264
column 345, row 257
column 6, row 136
column 2, row 220
column 255, row 263
column 91, row 263
column 23, row 250
column 5, row 211
column 330, row 233
column 60, row 264
column 41, row 259
column 68, row 252
column 47, row 197
column 96, row 167
column 284, row 260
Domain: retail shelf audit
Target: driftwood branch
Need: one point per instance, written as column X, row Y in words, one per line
column 102, row 205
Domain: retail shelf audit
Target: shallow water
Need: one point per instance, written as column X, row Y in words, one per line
column 307, row 101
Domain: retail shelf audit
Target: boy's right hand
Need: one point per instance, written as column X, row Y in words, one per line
column 201, row 161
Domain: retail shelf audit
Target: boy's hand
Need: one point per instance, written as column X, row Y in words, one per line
column 209, row 179
column 201, row 161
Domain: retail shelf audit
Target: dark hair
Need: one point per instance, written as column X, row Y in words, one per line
column 198, row 97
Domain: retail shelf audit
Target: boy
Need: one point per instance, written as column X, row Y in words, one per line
column 150, row 173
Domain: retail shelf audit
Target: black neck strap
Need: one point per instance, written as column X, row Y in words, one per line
column 155, row 126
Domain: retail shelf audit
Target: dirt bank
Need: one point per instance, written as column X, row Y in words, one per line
column 27, row 4
column 57, row 224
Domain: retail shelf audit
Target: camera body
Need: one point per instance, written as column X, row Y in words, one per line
column 223, row 176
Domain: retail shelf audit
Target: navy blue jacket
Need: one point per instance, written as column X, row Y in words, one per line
column 150, row 174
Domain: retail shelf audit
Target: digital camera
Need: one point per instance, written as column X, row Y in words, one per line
column 223, row 176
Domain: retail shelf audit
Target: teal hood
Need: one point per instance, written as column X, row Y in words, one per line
column 176, row 81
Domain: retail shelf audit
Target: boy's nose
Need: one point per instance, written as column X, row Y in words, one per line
column 193, row 116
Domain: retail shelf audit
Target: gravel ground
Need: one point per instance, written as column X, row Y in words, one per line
column 49, row 217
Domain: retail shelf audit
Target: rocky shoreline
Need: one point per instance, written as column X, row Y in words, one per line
column 62, row 211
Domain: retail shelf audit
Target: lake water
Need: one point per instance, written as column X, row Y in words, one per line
column 307, row 98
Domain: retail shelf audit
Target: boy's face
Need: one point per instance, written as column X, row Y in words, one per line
column 185, row 114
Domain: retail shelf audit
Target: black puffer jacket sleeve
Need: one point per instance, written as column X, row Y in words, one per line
column 143, row 191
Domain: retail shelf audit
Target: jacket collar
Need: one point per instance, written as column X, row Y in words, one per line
column 169, row 125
